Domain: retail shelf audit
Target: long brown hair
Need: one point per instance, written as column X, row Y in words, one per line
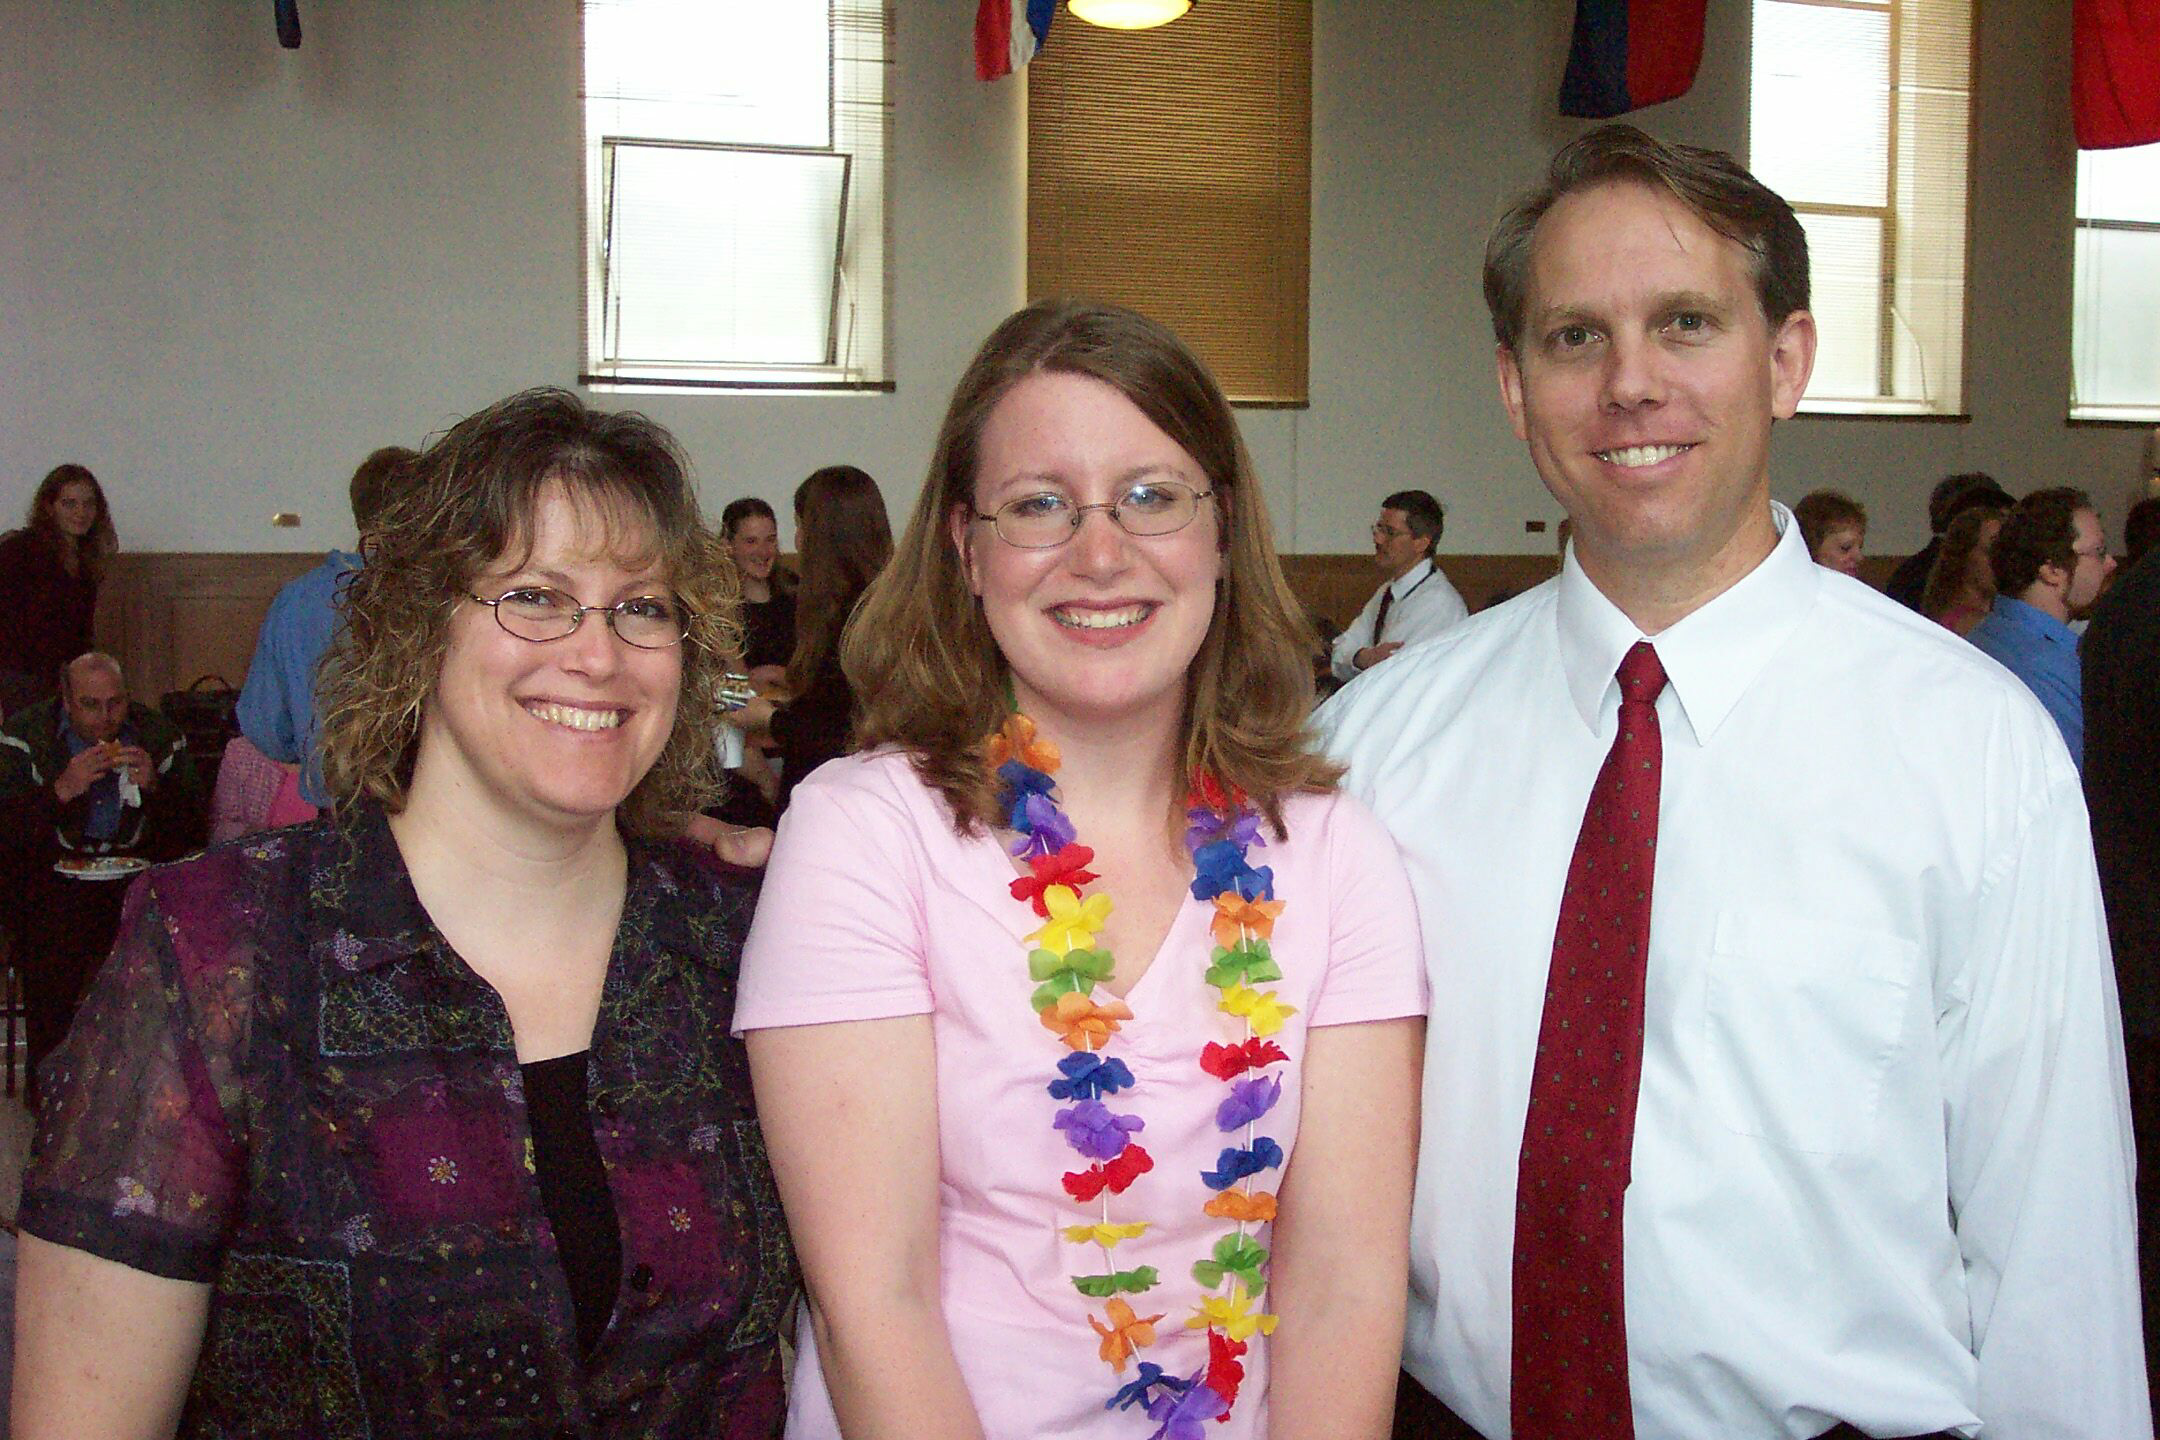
column 842, row 541
column 927, row 673
column 1946, row 577
column 465, row 505
column 86, row 556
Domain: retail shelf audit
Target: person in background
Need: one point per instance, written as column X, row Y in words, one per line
column 1752, row 1108
column 2141, row 530
column 277, row 709
column 1414, row 599
column 2051, row 561
column 1951, row 496
column 843, row 540
column 94, row 787
column 1059, row 1214
column 1961, row 585
column 424, row 1119
column 1833, row 526
column 2120, row 679
column 50, row 570
column 753, row 537
column 254, row 792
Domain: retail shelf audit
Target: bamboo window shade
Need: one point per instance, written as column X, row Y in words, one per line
column 1170, row 170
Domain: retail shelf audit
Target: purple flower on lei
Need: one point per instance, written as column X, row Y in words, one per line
column 1185, row 1417
column 1092, row 1129
column 1204, row 827
column 1043, row 828
column 1249, row 1100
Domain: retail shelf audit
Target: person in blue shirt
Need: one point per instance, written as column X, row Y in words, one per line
column 277, row 704
column 2051, row 560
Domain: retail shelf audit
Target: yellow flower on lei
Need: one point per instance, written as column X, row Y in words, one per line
column 1260, row 1008
column 1231, row 1314
column 1073, row 921
column 1106, row 1236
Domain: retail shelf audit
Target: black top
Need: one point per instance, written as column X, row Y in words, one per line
column 1908, row 582
column 768, row 630
column 45, row 612
column 2121, row 662
column 814, row 727
column 574, row 1190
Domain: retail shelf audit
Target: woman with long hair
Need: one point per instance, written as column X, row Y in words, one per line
column 1961, row 583
column 752, row 533
column 423, row 1119
column 1085, row 1014
column 842, row 541
column 50, row 571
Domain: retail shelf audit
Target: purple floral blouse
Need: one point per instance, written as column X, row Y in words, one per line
column 285, row 1084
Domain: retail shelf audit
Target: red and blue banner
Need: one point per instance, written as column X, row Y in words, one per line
column 2115, row 73
column 1630, row 53
column 1008, row 33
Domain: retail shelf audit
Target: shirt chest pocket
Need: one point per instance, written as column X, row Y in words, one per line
column 1802, row 1019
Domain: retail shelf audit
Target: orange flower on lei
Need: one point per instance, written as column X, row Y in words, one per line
column 1125, row 1333
column 1244, row 1208
column 1016, row 740
column 1082, row 1023
column 1235, row 917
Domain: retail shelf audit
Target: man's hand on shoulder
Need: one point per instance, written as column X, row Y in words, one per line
column 744, row 845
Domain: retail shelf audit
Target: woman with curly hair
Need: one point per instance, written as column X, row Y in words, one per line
column 424, row 1118
column 49, row 575
column 1086, row 1012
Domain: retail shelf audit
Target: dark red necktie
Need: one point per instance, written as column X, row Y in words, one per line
column 1570, row 1350
column 1387, row 603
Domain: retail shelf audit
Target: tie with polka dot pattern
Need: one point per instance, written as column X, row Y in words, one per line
column 1570, row 1375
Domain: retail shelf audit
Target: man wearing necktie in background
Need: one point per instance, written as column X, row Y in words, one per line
column 1753, row 1107
column 1414, row 599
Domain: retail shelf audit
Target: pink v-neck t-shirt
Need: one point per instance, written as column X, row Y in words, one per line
column 874, row 907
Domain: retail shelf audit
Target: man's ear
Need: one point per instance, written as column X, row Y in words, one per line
column 960, row 525
column 1511, row 392
column 1792, row 361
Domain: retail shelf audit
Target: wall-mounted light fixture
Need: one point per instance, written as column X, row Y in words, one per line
column 1128, row 14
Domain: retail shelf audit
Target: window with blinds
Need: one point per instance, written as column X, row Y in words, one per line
column 1171, row 170
column 735, row 216
column 2115, row 369
column 1861, row 117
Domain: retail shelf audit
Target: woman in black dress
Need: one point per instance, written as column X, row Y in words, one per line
column 843, row 540
column 768, row 591
column 49, row 574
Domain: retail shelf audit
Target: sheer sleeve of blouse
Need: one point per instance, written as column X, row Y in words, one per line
column 138, row 1157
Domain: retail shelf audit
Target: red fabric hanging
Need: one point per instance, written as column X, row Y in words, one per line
column 2115, row 73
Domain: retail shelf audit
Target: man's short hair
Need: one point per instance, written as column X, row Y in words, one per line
column 2141, row 529
column 1953, row 495
column 375, row 483
column 2039, row 530
column 1426, row 517
column 1825, row 510
column 1711, row 183
column 90, row 660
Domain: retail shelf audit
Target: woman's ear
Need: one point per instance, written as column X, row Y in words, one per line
column 960, row 525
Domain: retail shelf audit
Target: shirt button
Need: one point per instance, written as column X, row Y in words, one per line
column 641, row 1278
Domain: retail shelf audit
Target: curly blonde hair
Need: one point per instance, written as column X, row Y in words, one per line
column 466, row 506
column 928, row 674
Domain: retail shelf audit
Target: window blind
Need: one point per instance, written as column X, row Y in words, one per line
column 1171, row 170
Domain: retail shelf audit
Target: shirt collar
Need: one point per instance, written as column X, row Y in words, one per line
column 372, row 915
column 1711, row 656
column 2035, row 621
column 1409, row 580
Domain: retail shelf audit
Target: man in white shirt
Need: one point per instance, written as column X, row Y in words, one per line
column 1414, row 600
column 1862, row 1055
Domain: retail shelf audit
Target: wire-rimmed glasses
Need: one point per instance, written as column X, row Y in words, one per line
column 540, row 613
column 1046, row 520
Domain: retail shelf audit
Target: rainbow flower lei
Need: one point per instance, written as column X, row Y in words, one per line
column 1066, row 965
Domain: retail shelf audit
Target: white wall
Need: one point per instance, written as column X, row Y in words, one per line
column 228, row 271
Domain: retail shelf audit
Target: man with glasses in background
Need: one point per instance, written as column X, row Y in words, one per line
column 2051, row 560
column 1414, row 600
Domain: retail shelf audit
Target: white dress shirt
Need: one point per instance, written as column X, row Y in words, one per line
column 1882, row 1165
column 1425, row 604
